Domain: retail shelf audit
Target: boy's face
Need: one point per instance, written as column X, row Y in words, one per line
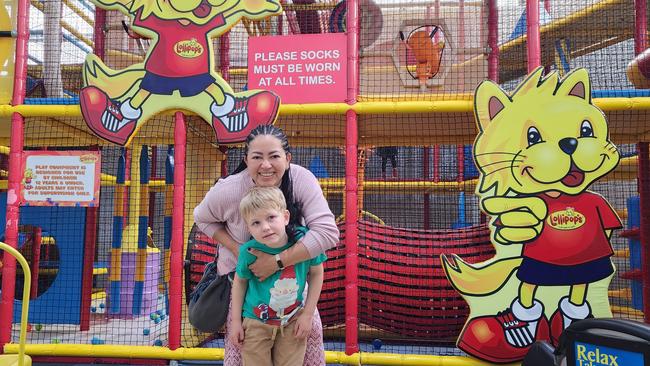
column 268, row 226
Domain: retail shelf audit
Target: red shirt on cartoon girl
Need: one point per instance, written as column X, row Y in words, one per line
column 181, row 50
column 574, row 230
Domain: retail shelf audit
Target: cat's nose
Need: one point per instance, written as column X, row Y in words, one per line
column 568, row 145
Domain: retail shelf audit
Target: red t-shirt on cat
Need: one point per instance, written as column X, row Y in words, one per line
column 574, row 230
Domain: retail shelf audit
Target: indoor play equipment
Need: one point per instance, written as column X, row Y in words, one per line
column 21, row 358
column 385, row 299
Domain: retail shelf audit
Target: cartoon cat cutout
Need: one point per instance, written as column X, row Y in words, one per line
column 538, row 151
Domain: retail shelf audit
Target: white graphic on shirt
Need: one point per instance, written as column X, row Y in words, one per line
column 283, row 294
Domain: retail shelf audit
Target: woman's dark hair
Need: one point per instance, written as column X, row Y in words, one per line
column 286, row 185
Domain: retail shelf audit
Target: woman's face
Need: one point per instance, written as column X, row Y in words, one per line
column 267, row 161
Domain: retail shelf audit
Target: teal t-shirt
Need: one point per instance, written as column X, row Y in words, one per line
column 281, row 292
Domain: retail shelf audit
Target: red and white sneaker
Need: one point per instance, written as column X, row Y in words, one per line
column 239, row 115
column 504, row 338
column 105, row 117
column 566, row 314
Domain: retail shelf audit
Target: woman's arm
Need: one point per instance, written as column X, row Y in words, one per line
column 266, row 264
column 222, row 237
column 305, row 320
column 213, row 213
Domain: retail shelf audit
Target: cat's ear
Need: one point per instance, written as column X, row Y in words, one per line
column 576, row 84
column 489, row 101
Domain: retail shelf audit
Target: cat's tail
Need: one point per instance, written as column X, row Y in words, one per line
column 478, row 281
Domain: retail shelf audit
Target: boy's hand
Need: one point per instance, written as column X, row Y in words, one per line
column 236, row 333
column 303, row 325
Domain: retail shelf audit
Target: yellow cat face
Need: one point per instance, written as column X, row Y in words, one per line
column 546, row 136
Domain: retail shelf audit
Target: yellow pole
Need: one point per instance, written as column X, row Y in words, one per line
column 444, row 106
column 27, row 281
column 212, row 354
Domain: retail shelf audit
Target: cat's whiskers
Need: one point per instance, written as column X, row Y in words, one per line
column 501, row 162
column 497, row 170
column 499, row 153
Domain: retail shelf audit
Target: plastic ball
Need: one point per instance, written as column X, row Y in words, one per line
column 157, row 320
column 157, row 343
column 376, row 343
column 154, row 316
column 160, row 312
column 55, row 341
column 146, row 331
column 39, row 327
column 102, row 305
column 96, row 340
column 93, row 309
column 29, row 327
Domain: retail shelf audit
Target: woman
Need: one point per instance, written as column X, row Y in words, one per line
column 267, row 163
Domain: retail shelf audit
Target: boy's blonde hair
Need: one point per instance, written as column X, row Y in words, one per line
column 259, row 198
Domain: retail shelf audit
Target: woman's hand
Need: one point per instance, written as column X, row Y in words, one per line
column 236, row 332
column 303, row 325
column 264, row 266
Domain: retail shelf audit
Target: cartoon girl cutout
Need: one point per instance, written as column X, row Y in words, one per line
column 114, row 104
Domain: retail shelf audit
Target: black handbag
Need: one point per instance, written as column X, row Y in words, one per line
column 210, row 300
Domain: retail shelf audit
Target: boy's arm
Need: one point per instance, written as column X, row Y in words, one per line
column 239, row 287
column 305, row 320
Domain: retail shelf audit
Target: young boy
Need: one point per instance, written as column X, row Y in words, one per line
column 276, row 318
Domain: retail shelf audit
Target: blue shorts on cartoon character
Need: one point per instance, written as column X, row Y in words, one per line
column 178, row 71
column 538, row 150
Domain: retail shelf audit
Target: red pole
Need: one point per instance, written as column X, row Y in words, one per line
column 352, row 185
column 90, row 241
column 461, row 28
column 98, row 33
column 644, row 227
column 532, row 34
column 178, row 225
column 425, row 176
column 640, row 27
column 15, row 173
column 493, row 40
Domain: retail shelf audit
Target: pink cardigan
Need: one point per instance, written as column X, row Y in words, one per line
column 220, row 209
